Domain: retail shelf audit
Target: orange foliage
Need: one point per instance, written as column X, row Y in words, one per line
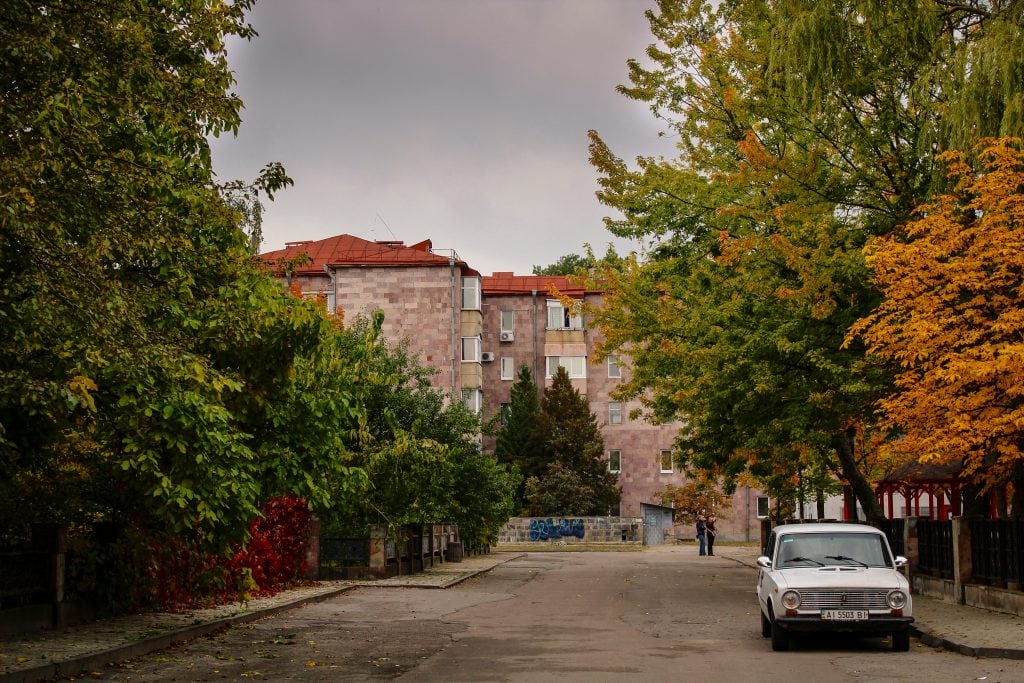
column 953, row 317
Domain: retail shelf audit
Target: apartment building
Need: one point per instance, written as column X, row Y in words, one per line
column 525, row 322
column 477, row 331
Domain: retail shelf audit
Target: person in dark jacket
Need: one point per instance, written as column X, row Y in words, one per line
column 701, row 534
column 709, row 528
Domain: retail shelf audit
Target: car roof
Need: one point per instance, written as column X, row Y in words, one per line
column 825, row 527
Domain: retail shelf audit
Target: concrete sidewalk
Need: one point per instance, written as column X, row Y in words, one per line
column 54, row 654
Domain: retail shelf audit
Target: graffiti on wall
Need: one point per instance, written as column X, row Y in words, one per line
column 543, row 529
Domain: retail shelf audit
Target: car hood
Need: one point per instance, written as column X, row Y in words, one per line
column 847, row 577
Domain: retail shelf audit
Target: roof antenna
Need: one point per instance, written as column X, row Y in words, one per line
column 393, row 236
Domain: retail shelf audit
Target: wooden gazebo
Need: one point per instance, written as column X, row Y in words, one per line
column 927, row 490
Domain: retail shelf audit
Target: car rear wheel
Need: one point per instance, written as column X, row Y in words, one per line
column 901, row 641
column 780, row 637
column 766, row 626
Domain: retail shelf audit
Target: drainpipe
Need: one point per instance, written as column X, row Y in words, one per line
column 334, row 287
column 536, row 379
column 455, row 312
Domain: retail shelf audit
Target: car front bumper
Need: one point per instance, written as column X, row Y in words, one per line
column 877, row 623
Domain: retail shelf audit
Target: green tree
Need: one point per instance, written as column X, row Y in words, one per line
column 804, row 129
column 417, row 447
column 569, row 264
column 136, row 333
column 567, row 436
column 512, row 444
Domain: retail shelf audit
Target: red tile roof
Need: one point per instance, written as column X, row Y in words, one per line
column 507, row 283
column 347, row 250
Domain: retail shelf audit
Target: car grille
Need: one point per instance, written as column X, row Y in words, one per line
column 843, row 599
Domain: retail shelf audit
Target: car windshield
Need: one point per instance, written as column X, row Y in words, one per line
column 832, row 549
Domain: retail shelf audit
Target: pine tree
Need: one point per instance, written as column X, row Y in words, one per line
column 514, row 436
column 567, row 438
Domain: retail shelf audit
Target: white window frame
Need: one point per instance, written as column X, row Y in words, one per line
column 474, row 399
column 508, row 367
column 560, row 318
column 508, row 325
column 576, row 366
column 614, row 368
column 614, row 412
column 615, row 461
column 471, row 349
column 661, row 461
column 470, row 293
column 504, row 410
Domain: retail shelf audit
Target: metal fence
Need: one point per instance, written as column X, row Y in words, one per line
column 935, row 547
column 997, row 551
column 23, row 575
column 893, row 530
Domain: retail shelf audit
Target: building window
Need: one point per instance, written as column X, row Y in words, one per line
column 508, row 367
column 503, row 412
column 471, row 293
column 562, row 318
column 666, row 462
column 762, row 507
column 471, row 349
column 615, row 461
column 614, row 413
column 576, row 366
column 508, row 322
column 473, row 398
column 614, row 368
column 323, row 297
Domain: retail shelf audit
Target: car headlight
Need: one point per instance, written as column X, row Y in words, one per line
column 897, row 599
column 790, row 599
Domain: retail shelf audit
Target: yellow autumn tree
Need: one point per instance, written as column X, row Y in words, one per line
column 952, row 319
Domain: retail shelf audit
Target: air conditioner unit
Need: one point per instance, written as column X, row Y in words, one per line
column 507, row 336
column 487, row 356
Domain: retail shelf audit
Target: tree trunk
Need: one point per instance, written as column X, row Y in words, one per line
column 1017, row 499
column 820, row 500
column 844, row 445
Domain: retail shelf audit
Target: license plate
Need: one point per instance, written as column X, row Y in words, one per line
column 844, row 614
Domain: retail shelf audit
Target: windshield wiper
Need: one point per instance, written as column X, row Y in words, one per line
column 804, row 559
column 844, row 558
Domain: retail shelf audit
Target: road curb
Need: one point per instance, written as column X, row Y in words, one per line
column 140, row 648
column 75, row 665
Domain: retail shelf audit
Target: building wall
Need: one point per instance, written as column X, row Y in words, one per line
column 639, row 442
column 420, row 304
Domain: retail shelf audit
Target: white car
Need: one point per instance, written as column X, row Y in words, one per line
column 832, row 578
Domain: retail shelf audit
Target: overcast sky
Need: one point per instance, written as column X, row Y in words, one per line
column 461, row 121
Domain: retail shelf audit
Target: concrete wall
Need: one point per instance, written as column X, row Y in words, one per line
column 571, row 530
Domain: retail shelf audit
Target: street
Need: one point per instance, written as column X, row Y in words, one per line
column 663, row 614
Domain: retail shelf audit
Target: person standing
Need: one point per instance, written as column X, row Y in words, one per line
column 709, row 528
column 701, row 534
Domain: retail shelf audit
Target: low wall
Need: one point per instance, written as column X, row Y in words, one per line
column 565, row 530
column 975, row 595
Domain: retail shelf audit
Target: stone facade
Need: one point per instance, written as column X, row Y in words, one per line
column 420, row 304
column 639, row 443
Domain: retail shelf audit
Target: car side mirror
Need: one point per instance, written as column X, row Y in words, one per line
column 764, row 563
column 901, row 561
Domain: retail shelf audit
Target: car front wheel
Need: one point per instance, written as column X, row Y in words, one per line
column 901, row 641
column 780, row 637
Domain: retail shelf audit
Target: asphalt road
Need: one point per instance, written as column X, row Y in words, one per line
column 659, row 615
